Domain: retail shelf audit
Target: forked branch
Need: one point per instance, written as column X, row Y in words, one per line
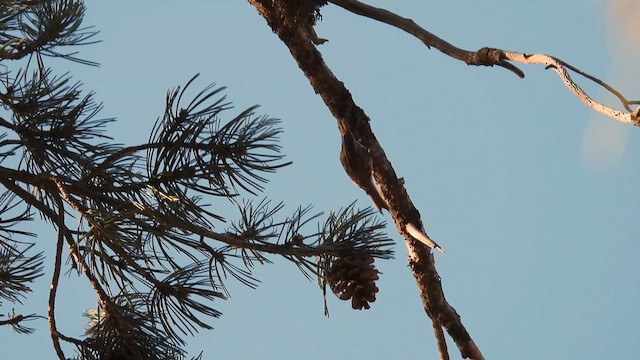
column 353, row 122
column 490, row 57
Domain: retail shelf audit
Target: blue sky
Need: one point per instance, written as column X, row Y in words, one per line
column 532, row 194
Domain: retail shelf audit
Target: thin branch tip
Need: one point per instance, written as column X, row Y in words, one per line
column 514, row 69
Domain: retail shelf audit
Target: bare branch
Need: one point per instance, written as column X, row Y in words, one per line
column 352, row 119
column 560, row 67
column 435, row 304
column 484, row 56
column 440, row 340
column 491, row 56
column 53, row 330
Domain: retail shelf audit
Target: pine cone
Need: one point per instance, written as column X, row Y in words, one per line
column 354, row 278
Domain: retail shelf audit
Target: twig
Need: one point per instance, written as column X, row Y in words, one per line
column 626, row 103
column 53, row 330
column 16, row 320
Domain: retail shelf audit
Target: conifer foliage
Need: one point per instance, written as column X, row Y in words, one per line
column 134, row 220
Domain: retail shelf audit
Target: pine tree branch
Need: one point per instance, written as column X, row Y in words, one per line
column 70, row 188
column 42, row 27
column 251, row 239
column 52, row 216
column 136, row 220
column 352, row 119
column 17, row 270
column 105, row 301
column 136, row 229
column 16, row 322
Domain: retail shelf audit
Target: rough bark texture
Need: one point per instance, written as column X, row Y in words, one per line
column 352, row 118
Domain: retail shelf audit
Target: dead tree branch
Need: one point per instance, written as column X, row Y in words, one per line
column 560, row 67
column 352, row 119
column 353, row 125
column 490, row 57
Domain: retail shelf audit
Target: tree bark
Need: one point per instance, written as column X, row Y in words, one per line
column 351, row 118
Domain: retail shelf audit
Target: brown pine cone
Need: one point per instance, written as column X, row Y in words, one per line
column 354, row 278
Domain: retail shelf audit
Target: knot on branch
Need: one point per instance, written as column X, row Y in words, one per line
column 635, row 116
column 486, row 56
column 489, row 57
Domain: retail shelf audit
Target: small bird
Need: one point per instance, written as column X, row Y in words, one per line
column 356, row 160
column 422, row 237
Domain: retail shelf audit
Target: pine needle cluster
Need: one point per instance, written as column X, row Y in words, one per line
column 137, row 221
